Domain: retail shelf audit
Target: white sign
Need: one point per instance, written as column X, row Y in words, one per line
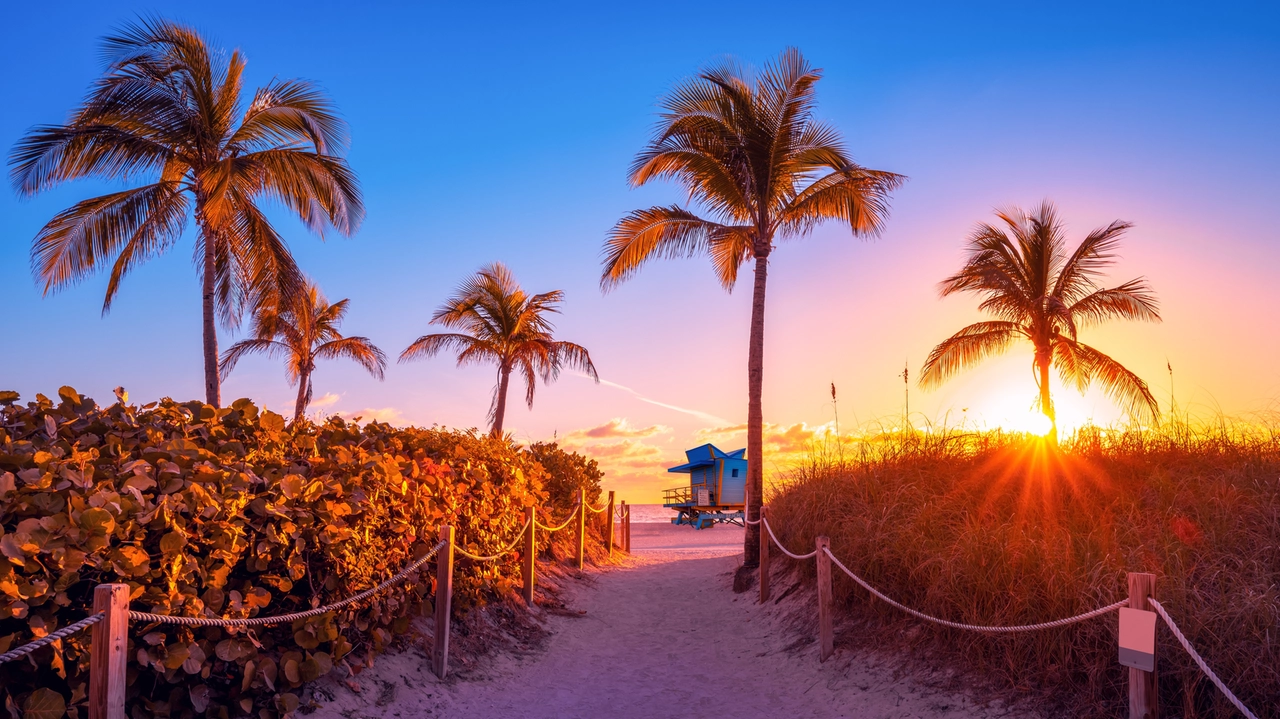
column 1138, row 639
column 704, row 497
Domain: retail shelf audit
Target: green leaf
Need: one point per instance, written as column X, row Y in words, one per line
column 44, row 703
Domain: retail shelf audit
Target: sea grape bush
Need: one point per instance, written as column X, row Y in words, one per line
column 567, row 473
column 230, row 512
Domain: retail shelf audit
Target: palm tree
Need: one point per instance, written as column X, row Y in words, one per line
column 499, row 323
column 303, row 331
column 1039, row 292
column 749, row 151
column 169, row 107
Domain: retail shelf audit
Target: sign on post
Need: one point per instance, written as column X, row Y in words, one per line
column 1138, row 639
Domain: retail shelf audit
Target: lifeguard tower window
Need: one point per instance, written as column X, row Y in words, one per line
column 735, row 473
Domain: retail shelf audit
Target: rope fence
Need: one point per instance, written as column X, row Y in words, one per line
column 1137, row 640
column 1195, row 657
column 50, row 638
column 562, row 525
column 282, row 618
column 975, row 627
column 501, row 553
column 111, row 617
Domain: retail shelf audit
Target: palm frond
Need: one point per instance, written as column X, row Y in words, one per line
column 1133, row 300
column 359, row 349
column 656, row 232
column 241, row 349
column 1081, row 271
column 1124, row 387
column 78, row 240
column 967, row 348
column 429, row 345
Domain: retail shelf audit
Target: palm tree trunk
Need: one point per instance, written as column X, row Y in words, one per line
column 212, row 389
column 500, row 409
column 755, row 415
column 304, row 386
column 1046, row 401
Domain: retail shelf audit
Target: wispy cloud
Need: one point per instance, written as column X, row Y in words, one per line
column 704, row 416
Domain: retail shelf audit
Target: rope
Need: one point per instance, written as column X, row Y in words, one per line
column 749, row 521
column 601, row 509
column 282, row 618
column 490, row 558
column 562, row 525
column 785, row 551
column 1195, row 657
column 48, row 639
column 974, row 627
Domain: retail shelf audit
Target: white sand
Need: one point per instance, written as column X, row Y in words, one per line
column 662, row 636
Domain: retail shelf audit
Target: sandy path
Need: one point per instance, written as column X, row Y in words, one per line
column 665, row 636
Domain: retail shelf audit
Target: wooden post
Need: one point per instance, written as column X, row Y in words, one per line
column 825, row 635
column 444, row 603
column 622, row 525
column 764, row 557
column 608, row 535
column 109, row 644
column 626, row 531
column 582, row 525
column 1143, row 695
column 530, row 556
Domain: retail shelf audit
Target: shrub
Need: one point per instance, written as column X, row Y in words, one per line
column 229, row 512
column 995, row 529
column 567, row 472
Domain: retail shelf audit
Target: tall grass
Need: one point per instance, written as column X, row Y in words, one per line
column 995, row 528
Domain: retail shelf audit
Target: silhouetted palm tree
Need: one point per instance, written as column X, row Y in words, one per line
column 750, row 153
column 1040, row 293
column 170, row 107
column 503, row 325
column 303, row 331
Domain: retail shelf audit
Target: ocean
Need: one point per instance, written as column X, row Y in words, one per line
column 651, row 514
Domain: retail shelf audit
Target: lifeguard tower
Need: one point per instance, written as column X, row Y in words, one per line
column 716, row 491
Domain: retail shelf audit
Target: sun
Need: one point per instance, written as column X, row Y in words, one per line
column 1014, row 411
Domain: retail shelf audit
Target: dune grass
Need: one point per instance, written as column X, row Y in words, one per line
column 996, row 528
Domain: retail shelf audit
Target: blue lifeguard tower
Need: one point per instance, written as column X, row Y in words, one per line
column 716, row 491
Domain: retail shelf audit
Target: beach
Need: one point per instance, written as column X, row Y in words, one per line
column 662, row 635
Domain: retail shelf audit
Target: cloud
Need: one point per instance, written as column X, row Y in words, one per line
column 327, row 399
column 798, row 437
column 628, row 452
column 389, row 415
column 617, row 427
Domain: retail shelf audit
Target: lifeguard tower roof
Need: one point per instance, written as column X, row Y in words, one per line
column 705, row 456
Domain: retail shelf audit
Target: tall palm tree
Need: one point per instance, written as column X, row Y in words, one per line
column 499, row 323
column 1039, row 292
column 169, row 107
column 758, row 164
column 305, row 330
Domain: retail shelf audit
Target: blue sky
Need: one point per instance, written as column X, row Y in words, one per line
column 486, row 132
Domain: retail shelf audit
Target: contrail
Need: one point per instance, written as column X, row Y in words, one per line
column 718, row 421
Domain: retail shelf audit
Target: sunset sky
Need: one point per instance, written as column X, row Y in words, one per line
column 482, row 132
